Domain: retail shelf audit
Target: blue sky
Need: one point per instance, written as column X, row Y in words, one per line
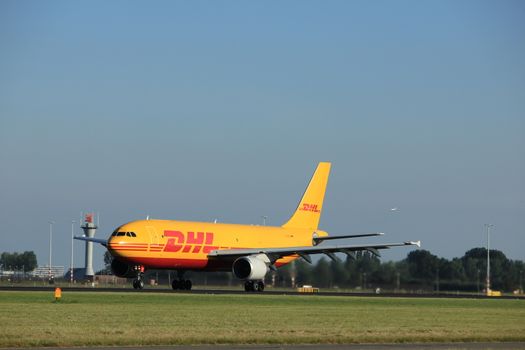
column 221, row 109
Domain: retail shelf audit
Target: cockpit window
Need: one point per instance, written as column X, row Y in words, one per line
column 128, row 234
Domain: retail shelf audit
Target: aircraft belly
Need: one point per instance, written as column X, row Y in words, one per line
column 171, row 263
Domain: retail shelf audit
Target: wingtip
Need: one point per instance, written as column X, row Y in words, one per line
column 418, row 243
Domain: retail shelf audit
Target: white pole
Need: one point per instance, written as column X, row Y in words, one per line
column 488, row 226
column 72, row 261
column 50, row 246
column 488, row 258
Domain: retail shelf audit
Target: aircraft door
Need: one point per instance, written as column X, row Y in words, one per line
column 153, row 235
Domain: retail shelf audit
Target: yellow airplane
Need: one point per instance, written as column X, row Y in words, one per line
column 248, row 251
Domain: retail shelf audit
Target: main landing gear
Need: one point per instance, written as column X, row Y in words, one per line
column 254, row 286
column 181, row 283
column 138, row 282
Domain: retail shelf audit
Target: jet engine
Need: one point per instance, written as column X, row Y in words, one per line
column 252, row 267
column 121, row 269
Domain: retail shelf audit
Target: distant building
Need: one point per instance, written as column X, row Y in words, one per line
column 6, row 273
column 110, row 279
column 43, row 271
column 79, row 275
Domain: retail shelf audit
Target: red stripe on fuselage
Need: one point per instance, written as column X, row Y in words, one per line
column 170, row 263
column 132, row 249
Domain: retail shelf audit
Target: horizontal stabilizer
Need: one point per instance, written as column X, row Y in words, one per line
column 104, row 242
column 318, row 240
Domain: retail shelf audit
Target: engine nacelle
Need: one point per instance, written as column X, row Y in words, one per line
column 252, row 267
column 121, row 269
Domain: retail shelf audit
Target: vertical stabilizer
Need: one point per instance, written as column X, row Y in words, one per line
column 309, row 210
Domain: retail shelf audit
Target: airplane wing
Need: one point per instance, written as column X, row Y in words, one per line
column 104, row 242
column 329, row 250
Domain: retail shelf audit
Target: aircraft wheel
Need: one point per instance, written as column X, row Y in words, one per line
column 248, row 286
column 187, row 285
column 138, row 284
column 175, row 284
column 260, row 286
column 255, row 287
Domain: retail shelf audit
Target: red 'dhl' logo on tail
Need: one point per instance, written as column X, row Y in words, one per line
column 192, row 242
column 310, row 207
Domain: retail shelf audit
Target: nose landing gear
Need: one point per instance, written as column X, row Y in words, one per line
column 254, row 286
column 138, row 283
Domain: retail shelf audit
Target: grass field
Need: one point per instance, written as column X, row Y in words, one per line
column 83, row 318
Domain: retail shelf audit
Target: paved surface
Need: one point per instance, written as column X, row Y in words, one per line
column 426, row 346
column 267, row 292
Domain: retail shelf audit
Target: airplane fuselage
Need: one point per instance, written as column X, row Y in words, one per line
column 168, row 244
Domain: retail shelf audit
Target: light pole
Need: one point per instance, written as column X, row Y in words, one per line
column 72, row 263
column 264, row 217
column 488, row 226
column 521, row 285
column 477, row 281
column 50, row 246
column 437, row 279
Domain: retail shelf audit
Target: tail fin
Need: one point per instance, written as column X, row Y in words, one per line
column 308, row 211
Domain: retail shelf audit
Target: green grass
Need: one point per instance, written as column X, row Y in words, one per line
column 83, row 318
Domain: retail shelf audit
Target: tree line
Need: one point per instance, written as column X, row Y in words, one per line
column 25, row 261
column 420, row 270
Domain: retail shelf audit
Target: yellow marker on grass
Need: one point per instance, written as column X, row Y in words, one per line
column 58, row 294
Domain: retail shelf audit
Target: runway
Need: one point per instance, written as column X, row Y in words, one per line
column 266, row 292
column 404, row 346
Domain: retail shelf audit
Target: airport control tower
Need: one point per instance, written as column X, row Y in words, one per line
column 89, row 228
